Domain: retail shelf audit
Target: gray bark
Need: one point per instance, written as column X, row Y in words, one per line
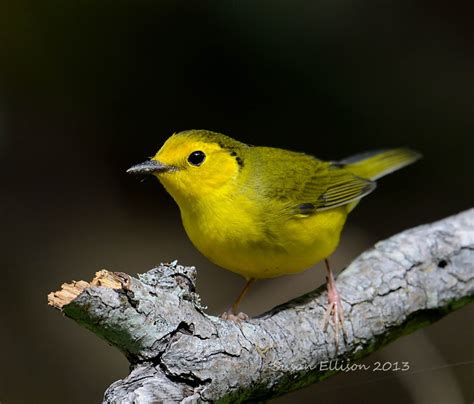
column 178, row 353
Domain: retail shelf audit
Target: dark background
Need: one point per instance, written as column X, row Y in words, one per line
column 89, row 88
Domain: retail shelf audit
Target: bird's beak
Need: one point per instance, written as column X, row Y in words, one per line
column 150, row 167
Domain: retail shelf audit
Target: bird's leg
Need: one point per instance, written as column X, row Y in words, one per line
column 334, row 308
column 232, row 314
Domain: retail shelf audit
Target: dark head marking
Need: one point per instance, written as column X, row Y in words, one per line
column 239, row 159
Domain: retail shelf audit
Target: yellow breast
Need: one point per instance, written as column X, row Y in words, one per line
column 231, row 232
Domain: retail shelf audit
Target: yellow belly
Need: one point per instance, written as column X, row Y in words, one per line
column 235, row 240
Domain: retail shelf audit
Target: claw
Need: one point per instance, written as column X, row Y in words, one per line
column 236, row 318
column 231, row 314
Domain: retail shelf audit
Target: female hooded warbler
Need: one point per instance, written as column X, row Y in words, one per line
column 263, row 212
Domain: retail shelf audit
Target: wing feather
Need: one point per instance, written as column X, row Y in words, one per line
column 307, row 185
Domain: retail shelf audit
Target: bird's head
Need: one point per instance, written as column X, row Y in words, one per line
column 194, row 163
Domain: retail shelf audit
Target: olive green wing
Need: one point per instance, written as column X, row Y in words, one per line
column 329, row 187
column 306, row 185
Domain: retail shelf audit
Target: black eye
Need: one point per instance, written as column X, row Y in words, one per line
column 196, row 158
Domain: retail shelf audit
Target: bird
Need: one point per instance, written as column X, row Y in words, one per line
column 264, row 212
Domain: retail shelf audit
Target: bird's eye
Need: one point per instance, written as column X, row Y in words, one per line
column 196, row 158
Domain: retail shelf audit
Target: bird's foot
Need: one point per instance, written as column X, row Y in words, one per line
column 236, row 318
column 335, row 311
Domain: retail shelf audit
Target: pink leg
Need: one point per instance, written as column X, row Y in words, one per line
column 334, row 309
column 232, row 314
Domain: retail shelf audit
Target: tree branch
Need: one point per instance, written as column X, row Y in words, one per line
column 179, row 353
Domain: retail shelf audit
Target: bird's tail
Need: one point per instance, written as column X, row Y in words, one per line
column 375, row 164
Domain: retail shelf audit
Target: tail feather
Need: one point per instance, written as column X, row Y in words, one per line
column 376, row 164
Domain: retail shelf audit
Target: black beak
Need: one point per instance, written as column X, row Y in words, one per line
column 149, row 167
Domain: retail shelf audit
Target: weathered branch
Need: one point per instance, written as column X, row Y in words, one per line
column 179, row 353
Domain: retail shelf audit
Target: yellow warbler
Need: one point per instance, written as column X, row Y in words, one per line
column 261, row 211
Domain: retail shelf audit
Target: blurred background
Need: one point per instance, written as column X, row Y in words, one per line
column 89, row 88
